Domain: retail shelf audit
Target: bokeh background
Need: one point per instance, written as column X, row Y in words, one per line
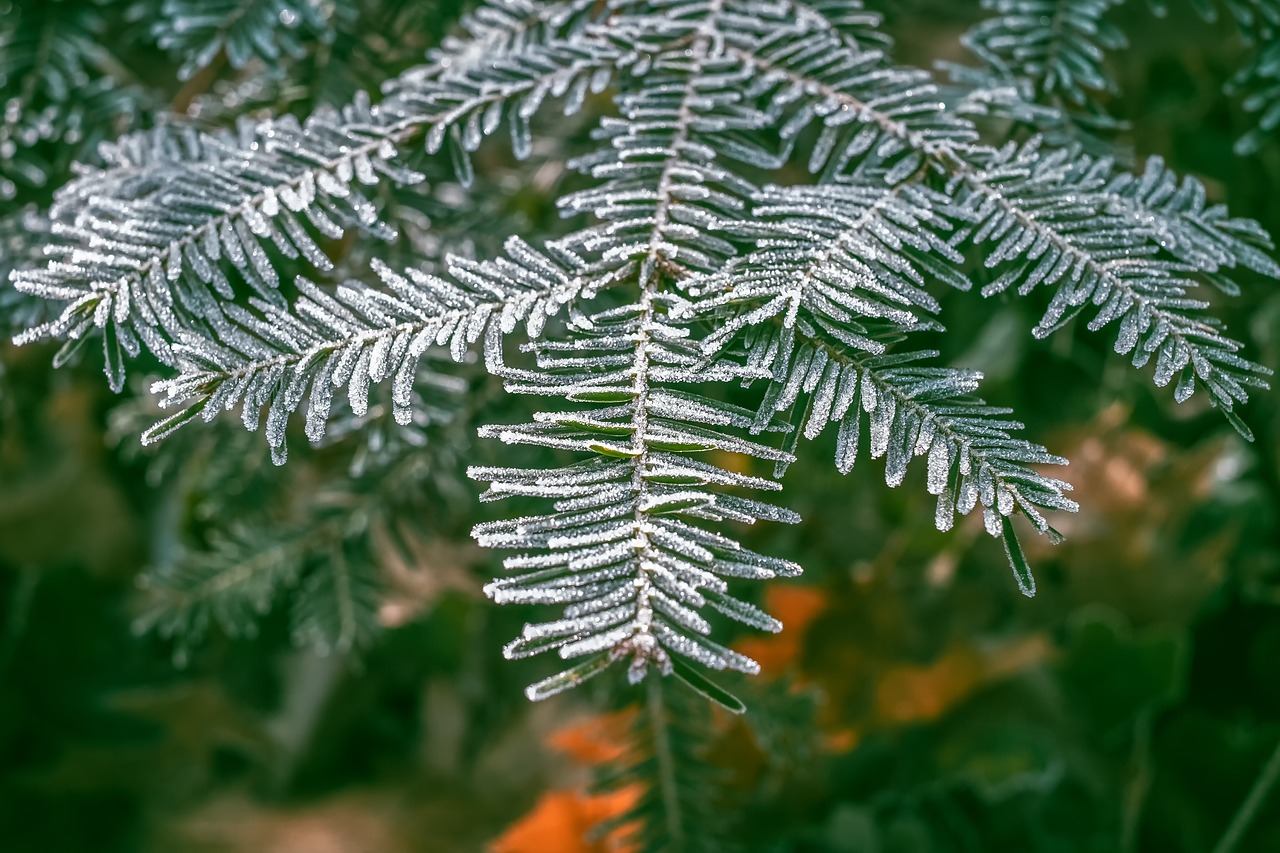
column 916, row 701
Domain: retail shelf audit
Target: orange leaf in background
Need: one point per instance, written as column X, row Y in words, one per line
column 561, row 821
column 911, row 694
column 796, row 607
column 594, row 740
column 841, row 741
column 1012, row 658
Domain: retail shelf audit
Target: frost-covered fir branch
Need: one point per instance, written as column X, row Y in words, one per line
column 141, row 242
column 846, row 254
column 1148, row 292
column 839, row 268
column 637, row 543
column 1101, row 255
column 275, row 359
column 1056, row 45
column 684, row 277
column 866, row 108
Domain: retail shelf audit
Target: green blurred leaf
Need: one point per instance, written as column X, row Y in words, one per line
column 1113, row 673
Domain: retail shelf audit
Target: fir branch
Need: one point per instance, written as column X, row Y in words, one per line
column 973, row 458
column 1092, row 255
column 859, row 27
column 173, row 248
column 847, row 254
column 625, row 554
column 836, row 265
column 358, row 337
column 1150, row 296
column 234, row 582
column 243, row 30
column 335, row 610
column 324, row 553
column 142, row 240
column 1056, row 45
column 865, row 107
column 230, row 585
column 512, row 26
column 1177, row 217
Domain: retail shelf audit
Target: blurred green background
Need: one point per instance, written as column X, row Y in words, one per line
column 916, row 702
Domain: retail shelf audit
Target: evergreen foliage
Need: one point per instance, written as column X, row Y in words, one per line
column 160, row 248
column 754, row 246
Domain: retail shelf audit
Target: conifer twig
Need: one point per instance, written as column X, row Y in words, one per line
column 1252, row 803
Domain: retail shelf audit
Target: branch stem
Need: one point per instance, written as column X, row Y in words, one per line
column 667, row 792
